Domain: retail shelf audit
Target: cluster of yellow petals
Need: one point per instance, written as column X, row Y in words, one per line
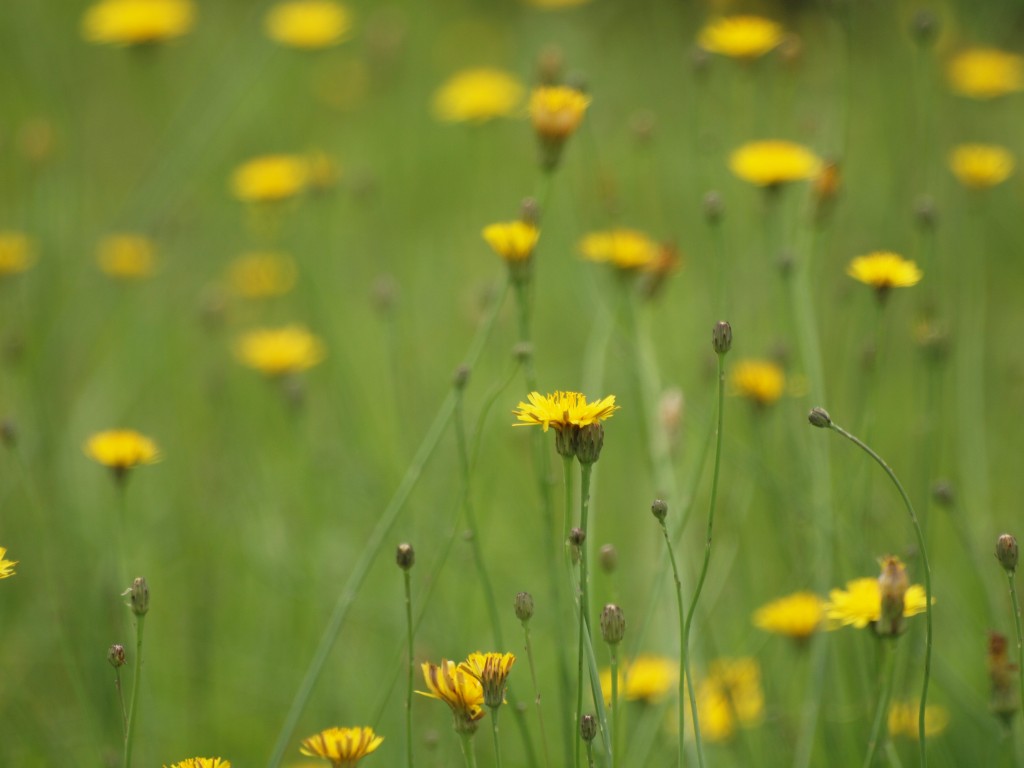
column 772, row 162
column 557, row 110
column 270, row 178
column 986, row 73
column 623, row 248
column 797, row 615
column 136, row 22
column 202, row 762
column 883, row 270
column 6, row 566
column 742, row 37
column 280, row 351
column 121, row 449
column 730, row 696
column 17, row 253
column 860, row 604
column 478, row 95
column 903, row 720
column 342, row 746
column 979, row 166
column 761, row 381
column 563, row 409
column 126, row 256
column 492, row 671
column 308, row 24
column 512, row 240
column 458, row 689
column 646, row 678
column 260, row 275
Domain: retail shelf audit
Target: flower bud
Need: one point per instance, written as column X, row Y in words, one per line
column 115, row 655
column 138, row 596
column 1006, row 552
column 892, row 584
column 461, row 377
column 405, row 556
column 613, row 624
column 659, row 509
column 721, row 337
column 524, row 606
column 588, row 442
column 713, row 207
column 819, row 418
column 608, row 557
column 588, row 728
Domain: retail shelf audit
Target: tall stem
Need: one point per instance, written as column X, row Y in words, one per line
column 884, row 695
column 616, row 714
column 129, row 738
column 536, row 693
column 408, row 694
column 468, row 752
column 1020, row 635
column 494, row 730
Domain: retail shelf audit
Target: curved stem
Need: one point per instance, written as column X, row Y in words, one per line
column 129, row 739
column 881, row 715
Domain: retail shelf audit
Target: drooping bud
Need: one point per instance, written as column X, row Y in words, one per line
column 116, row 656
column 524, row 606
column 819, row 418
column 1006, row 552
column 405, row 556
column 659, row 509
column 721, row 337
column 613, row 624
column 138, row 596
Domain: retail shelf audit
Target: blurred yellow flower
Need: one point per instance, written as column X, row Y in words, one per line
column 259, row 275
column 883, row 270
column 981, row 165
column 646, row 678
column 860, row 604
column 17, row 253
column 903, row 719
column 512, row 240
column 771, row 162
column 563, row 409
column 121, row 449
column 624, row 248
column 280, row 351
column 458, row 689
column 797, row 615
column 270, row 178
column 6, row 566
column 492, row 670
column 986, row 73
column 742, row 37
column 730, row 695
column 556, row 111
column 135, row 22
column 477, row 95
column 344, row 747
column 308, row 23
column 761, row 381
column 127, row 256
column 202, row 762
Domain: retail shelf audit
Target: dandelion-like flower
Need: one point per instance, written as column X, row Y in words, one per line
column 280, row 351
column 730, row 696
column 17, row 253
column 308, row 24
column 126, row 256
column 626, row 249
column 979, row 166
column 760, row 381
column 903, row 717
column 201, row 762
column 121, row 450
column 270, row 178
column 860, row 604
column 457, row 688
column 742, row 37
column 986, row 73
column 557, row 110
column 884, row 270
column 6, row 566
column 772, row 163
column 514, row 241
column 477, row 95
column 344, row 747
column 492, row 670
column 646, row 678
column 563, row 410
column 259, row 275
column 137, row 22
column 798, row 615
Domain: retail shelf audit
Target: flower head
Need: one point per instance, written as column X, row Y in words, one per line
column 563, row 410
column 883, row 270
column 308, row 23
column 6, row 566
column 730, row 695
column 512, row 240
column 557, row 110
column 860, row 604
column 981, row 165
column 279, row 351
column 626, row 249
column 121, row 450
column 771, row 163
column 798, row 615
column 126, row 256
column 202, row 762
column 17, row 253
column 760, row 381
column 903, row 719
column 986, row 73
column 492, row 670
column 270, row 178
column 458, row 689
column 137, row 22
column 259, row 275
column 742, row 37
column 646, row 678
column 477, row 95
column 344, row 747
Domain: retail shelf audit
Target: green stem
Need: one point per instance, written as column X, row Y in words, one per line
column 120, row 698
column 885, row 694
column 408, row 695
column 615, row 713
column 536, row 692
column 129, row 738
column 494, row 730
column 1020, row 635
column 467, row 750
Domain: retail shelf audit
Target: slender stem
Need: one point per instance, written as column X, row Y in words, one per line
column 615, row 713
column 1020, row 635
column 129, row 737
column 494, row 730
column 536, row 691
column 927, row 584
column 467, row 750
column 884, row 695
column 408, row 695
column 120, row 698
column 590, row 754
column 567, row 464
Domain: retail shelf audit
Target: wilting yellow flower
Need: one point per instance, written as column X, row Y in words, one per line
column 477, row 95
column 202, row 762
column 798, row 615
column 17, row 253
column 771, row 162
column 6, row 566
column 860, row 604
column 761, row 381
column 121, row 449
column 279, row 351
column 981, row 165
column 986, row 73
column 270, row 178
column 556, row 110
column 730, row 696
column 458, row 689
column 135, row 22
column 563, row 409
column 492, row 670
column 308, row 23
column 646, row 678
column 258, row 275
column 512, row 240
column 342, row 746
column 903, row 719
column 624, row 248
column 126, row 256
column 883, row 270
column 742, row 37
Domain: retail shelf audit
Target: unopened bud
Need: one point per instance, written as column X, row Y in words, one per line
column 943, row 494
column 405, row 556
column 588, row 442
column 115, row 655
column 713, row 207
column 613, row 624
column 1006, row 552
column 925, row 26
column 659, row 509
column 524, row 606
column 608, row 557
column 461, row 377
column 577, row 536
column 138, row 596
column 819, row 418
column 925, row 213
column 529, row 211
column 721, row 337
column 588, row 727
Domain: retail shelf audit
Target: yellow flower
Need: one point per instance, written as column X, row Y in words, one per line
column 761, row 381
column 624, row 248
column 646, row 678
column 860, row 604
column 742, row 37
column 258, row 275
column 17, row 253
column 6, row 566
column 458, row 689
column 126, row 256
column 202, row 762
column 308, row 23
column 121, row 449
column 798, row 615
column 730, row 695
column 981, row 165
column 883, row 270
column 556, row 111
column 279, row 351
column 512, row 240
column 477, row 95
column 344, row 747
column 492, row 670
column 135, row 22
column 270, row 178
column 986, row 73
column 771, row 162
column 563, row 409
column 903, row 719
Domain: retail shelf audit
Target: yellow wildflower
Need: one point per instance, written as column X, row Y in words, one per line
column 136, row 22
column 557, row 110
column 742, row 37
column 17, row 253
column 492, row 670
column 458, row 689
column 279, row 351
column 562, row 410
column 270, row 178
column 903, row 717
column 512, row 240
column 646, row 678
column 308, row 23
column 798, row 615
column 730, row 696
column 860, row 604
column 477, row 95
column 344, row 747
column 6, row 566
column 121, row 450
column 883, row 270
column 761, row 381
column 202, row 762
column 981, row 165
column 623, row 248
column 772, row 162
column 126, row 256
column 986, row 73
column 258, row 275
